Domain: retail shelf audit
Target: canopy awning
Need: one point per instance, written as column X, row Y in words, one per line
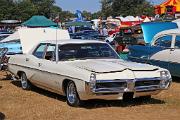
column 39, row 21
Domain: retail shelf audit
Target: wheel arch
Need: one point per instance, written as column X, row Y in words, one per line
column 64, row 85
column 19, row 73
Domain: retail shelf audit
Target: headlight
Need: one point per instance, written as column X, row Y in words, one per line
column 93, row 82
column 165, row 79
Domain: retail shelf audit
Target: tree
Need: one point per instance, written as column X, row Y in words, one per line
column 130, row 7
column 44, row 7
column 6, row 7
column 24, row 9
column 22, row 12
column 96, row 15
column 126, row 7
column 106, row 7
column 55, row 12
column 66, row 16
column 87, row 15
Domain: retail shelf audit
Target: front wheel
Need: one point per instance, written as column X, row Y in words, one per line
column 72, row 95
column 26, row 85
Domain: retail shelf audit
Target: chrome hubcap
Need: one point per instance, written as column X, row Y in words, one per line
column 23, row 81
column 71, row 93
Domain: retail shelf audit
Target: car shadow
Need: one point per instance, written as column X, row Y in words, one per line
column 16, row 83
column 176, row 79
column 42, row 91
column 93, row 104
column 2, row 116
column 48, row 94
column 6, row 76
column 97, row 103
column 0, row 87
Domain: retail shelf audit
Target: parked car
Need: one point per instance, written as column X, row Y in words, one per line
column 3, row 36
column 164, row 51
column 86, row 69
column 87, row 35
column 14, row 47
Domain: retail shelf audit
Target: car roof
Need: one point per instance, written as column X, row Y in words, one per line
column 71, row 41
column 171, row 31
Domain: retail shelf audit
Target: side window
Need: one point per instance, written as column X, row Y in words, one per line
column 164, row 41
column 39, row 52
column 50, row 53
column 177, row 43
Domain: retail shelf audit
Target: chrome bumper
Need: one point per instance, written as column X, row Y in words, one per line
column 140, row 87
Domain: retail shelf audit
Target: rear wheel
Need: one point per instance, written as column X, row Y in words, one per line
column 26, row 85
column 72, row 95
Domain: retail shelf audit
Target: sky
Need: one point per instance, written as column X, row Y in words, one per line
column 88, row 5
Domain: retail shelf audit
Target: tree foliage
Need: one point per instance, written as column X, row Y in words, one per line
column 106, row 7
column 126, row 7
column 24, row 9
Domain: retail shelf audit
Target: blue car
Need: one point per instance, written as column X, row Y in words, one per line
column 14, row 47
column 163, row 51
column 87, row 35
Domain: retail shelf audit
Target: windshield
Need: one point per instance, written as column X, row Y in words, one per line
column 86, row 51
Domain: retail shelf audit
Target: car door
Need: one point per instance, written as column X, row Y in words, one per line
column 161, row 48
column 174, row 59
column 47, row 74
column 36, row 62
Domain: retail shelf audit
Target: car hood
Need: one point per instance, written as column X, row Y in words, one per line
column 112, row 65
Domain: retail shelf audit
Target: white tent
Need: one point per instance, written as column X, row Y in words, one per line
column 129, row 18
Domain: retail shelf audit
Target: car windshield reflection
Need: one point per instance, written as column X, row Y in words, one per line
column 86, row 51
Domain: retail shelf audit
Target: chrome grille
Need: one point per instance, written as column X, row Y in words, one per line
column 147, row 83
column 111, row 85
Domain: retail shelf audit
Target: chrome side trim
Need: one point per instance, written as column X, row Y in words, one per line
column 46, row 71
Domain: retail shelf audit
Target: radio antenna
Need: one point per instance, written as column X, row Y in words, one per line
column 57, row 45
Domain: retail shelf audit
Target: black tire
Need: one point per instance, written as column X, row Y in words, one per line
column 72, row 95
column 25, row 84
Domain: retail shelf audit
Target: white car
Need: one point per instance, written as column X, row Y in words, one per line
column 83, row 70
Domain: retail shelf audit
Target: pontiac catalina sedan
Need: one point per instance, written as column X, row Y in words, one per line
column 83, row 70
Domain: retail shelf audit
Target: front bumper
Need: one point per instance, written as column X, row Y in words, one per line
column 115, row 89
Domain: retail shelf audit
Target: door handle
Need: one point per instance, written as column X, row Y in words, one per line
column 27, row 59
column 39, row 64
column 172, row 49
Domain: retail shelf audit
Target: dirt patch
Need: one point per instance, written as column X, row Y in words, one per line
column 18, row 104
